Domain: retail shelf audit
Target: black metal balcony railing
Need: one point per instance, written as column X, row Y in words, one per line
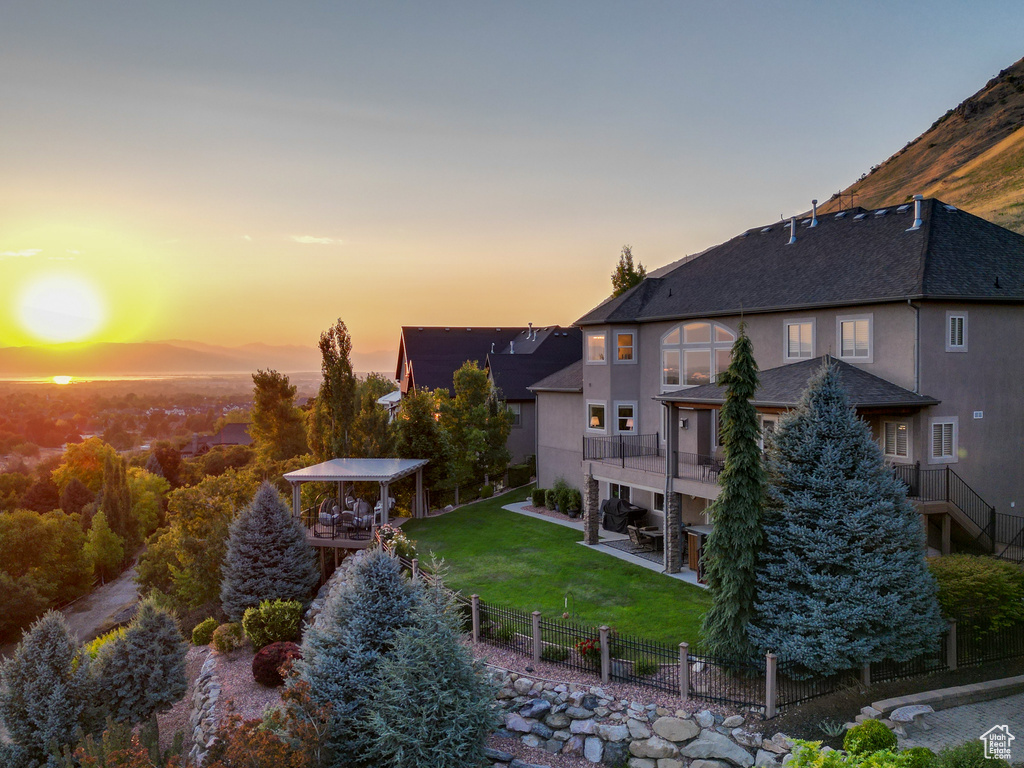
column 696, row 466
column 641, row 452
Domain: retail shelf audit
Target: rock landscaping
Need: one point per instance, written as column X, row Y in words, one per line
column 585, row 721
column 203, row 720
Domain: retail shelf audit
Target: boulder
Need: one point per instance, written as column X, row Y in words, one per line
column 535, row 708
column 582, row 726
column 590, row 702
column 670, row 762
column 615, row 753
column 542, row 730
column 573, row 746
column 521, row 764
column 499, row 755
column 733, row 722
column 638, row 729
column 709, row 764
column 675, row 728
column 713, row 745
column 518, row 723
column 523, row 685
column 532, row 740
column 653, row 747
column 765, row 759
column 705, row 719
column 612, row 732
column 593, row 748
column 642, row 762
column 557, row 720
column 579, row 713
column 747, row 738
column 553, row 746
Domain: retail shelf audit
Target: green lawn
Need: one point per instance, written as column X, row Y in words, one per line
column 517, row 561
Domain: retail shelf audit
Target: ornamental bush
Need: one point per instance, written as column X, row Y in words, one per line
column 808, row 754
column 968, row 755
column 202, row 633
column 551, row 498
column 870, row 736
column 93, row 646
column 486, row 491
column 397, row 542
column 981, row 593
column 537, row 497
column 268, row 662
column 272, row 621
column 228, row 637
column 918, row 757
column 518, row 474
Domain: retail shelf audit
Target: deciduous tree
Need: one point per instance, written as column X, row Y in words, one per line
column 86, row 461
column 104, row 548
column 477, row 426
column 842, row 577
column 730, row 555
column 278, row 430
column 419, row 435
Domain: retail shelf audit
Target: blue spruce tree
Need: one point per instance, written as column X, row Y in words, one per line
column 342, row 652
column 842, row 577
column 268, row 557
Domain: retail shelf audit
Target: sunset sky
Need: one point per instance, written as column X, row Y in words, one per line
column 243, row 172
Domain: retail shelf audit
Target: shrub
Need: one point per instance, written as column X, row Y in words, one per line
column 554, row 653
column 918, row 757
column 228, row 637
column 560, row 490
column 486, row 491
column 93, row 646
column 502, row 632
column 870, row 736
column 574, row 499
column 808, row 754
column 202, row 633
column 645, row 667
column 396, row 542
column 273, row 621
column 551, row 498
column 537, row 497
column 979, row 592
column 518, row 474
column 268, row 661
column 968, row 755
column 590, row 652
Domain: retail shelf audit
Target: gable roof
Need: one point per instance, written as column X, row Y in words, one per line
column 435, row 353
column 569, row 379
column 860, row 257
column 783, row 387
column 531, row 357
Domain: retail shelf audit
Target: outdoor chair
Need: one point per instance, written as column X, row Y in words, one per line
column 642, row 543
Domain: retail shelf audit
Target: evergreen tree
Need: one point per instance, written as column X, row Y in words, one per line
column 153, row 465
column 477, row 426
column 730, row 554
column 342, row 652
column 267, row 558
column 116, row 500
column 46, row 690
column 142, row 672
column 42, row 496
column 278, row 429
column 332, row 413
column 418, row 435
column 104, row 548
column 626, row 275
column 843, row 579
column 75, row 496
column 432, row 704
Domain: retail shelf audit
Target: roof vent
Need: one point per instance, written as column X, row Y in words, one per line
column 881, row 212
column 917, row 213
column 950, row 208
column 511, row 347
column 492, row 347
column 766, row 229
column 808, row 223
column 841, row 214
column 814, row 213
column 903, row 208
column 860, row 216
column 447, row 329
column 792, row 230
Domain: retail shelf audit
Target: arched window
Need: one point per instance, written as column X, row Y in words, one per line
column 694, row 353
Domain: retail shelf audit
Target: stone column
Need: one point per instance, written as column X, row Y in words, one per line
column 591, row 513
column 673, row 534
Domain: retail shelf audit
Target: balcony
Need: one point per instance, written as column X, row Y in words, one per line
column 647, row 454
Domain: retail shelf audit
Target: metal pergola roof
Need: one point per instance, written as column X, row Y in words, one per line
column 357, row 470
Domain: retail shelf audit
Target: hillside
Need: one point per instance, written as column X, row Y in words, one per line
column 972, row 157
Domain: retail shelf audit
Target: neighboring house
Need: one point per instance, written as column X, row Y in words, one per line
column 514, row 357
column 230, row 434
column 921, row 304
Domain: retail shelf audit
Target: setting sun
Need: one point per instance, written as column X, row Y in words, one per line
column 59, row 308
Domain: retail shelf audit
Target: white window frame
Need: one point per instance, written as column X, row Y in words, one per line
column 681, row 347
column 654, row 502
column 586, row 347
column 954, row 423
column 785, row 338
column 516, row 409
column 906, row 457
column 636, row 417
column 632, row 347
column 950, row 346
column 870, row 356
column 597, row 430
column 615, row 491
column 761, row 417
column 665, row 386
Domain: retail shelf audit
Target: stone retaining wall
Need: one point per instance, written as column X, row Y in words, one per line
column 570, row 719
column 203, row 719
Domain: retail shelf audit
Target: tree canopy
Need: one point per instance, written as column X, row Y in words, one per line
column 332, row 413
column 278, row 429
column 477, row 426
column 626, row 275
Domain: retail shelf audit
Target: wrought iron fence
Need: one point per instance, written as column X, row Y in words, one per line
column 795, row 686
column 628, row 451
column 696, row 466
column 728, row 681
column 562, row 642
column 506, row 628
column 639, row 661
column 933, row 661
column 974, row 647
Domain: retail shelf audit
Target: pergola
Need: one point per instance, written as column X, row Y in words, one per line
column 341, row 471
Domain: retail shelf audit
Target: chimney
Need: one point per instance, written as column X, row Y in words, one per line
column 792, row 230
column 814, row 213
column 917, row 212
column 511, row 347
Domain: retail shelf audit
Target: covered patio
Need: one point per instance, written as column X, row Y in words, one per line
column 340, row 520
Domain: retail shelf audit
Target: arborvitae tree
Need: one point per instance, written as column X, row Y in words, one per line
column 341, row 654
column 626, row 275
column 842, row 575
column 75, row 496
column 104, row 548
column 334, row 409
column 46, row 690
column 278, row 429
column 268, row 557
column 432, row 704
column 730, row 554
column 116, row 500
column 142, row 672
column 42, row 496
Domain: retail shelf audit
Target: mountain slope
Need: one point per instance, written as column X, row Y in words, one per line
column 972, row 157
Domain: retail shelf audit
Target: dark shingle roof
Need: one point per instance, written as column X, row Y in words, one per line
column 782, row 387
column 569, row 379
column 841, row 261
column 552, row 350
column 436, row 353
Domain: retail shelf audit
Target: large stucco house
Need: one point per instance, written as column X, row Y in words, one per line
column 921, row 305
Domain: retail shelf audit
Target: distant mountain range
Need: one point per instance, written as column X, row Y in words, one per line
column 971, row 157
column 153, row 358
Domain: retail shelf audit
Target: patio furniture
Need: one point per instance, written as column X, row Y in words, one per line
column 642, row 543
column 905, row 715
column 618, row 514
column 653, row 534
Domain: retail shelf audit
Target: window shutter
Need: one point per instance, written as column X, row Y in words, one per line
column 956, row 331
column 942, row 440
column 890, row 438
column 901, row 439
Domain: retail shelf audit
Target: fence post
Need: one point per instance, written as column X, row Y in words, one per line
column 771, row 692
column 475, row 602
column 684, row 671
column 536, row 637
column 622, row 452
column 992, row 528
column 865, row 674
column 415, row 568
column 456, row 495
column 606, row 656
column 951, row 655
